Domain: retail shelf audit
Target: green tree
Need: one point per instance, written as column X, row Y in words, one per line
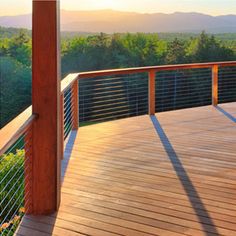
column 176, row 52
column 20, row 48
column 207, row 48
column 15, row 92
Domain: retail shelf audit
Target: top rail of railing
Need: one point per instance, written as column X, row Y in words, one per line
column 13, row 130
column 66, row 83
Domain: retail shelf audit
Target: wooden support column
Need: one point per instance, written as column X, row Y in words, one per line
column 215, row 71
column 75, row 105
column 152, row 92
column 46, row 103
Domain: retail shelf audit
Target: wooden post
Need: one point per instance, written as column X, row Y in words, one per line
column 28, row 171
column 215, row 70
column 46, row 103
column 62, row 126
column 152, row 92
column 75, row 105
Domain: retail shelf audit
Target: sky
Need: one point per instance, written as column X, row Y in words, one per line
column 212, row 7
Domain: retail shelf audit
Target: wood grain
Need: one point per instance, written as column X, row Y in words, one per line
column 133, row 177
column 91, row 74
column 215, row 72
column 46, row 103
column 28, row 166
column 68, row 81
column 151, row 92
column 12, row 131
column 62, row 125
column 75, row 105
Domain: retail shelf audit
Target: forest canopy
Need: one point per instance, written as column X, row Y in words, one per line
column 100, row 51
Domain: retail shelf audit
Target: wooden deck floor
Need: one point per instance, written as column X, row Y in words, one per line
column 170, row 174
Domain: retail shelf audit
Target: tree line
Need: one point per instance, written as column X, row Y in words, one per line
column 15, row 75
column 130, row 50
column 95, row 52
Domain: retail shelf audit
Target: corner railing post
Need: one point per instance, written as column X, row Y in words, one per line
column 75, row 105
column 151, row 92
column 215, row 72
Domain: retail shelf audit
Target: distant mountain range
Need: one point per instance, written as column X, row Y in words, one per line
column 110, row 21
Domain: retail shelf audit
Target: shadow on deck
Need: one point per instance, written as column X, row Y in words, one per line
column 170, row 174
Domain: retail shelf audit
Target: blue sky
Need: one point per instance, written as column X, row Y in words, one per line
column 213, row 7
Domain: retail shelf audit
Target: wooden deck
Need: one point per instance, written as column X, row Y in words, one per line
column 170, row 174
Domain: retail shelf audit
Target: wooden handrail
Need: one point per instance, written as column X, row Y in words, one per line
column 71, row 78
column 17, row 127
column 68, row 81
column 91, row 74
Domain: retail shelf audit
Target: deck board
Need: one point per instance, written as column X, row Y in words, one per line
column 171, row 174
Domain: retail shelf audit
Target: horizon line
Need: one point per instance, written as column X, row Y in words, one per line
column 134, row 12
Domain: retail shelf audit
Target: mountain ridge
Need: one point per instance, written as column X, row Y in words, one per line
column 111, row 21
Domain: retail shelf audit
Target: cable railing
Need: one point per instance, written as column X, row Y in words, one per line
column 68, row 113
column 98, row 96
column 183, row 89
column 120, row 93
column 112, row 94
column 113, row 97
column 227, row 84
column 69, row 107
column 15, row 172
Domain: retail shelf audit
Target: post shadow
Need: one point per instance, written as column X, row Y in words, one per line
column 227, row 114
column 192, row 194
column 67, row 153
column 48, row 220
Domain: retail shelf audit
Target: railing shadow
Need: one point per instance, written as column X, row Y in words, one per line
column 192, row 194
column 227, row 114
column 67, row 153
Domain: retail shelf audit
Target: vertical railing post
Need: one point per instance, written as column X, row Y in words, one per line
column 62, row 126
column 28, row 171
column 46, row 90
column 151, row 92
column 75, row 105
column 215, row 72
